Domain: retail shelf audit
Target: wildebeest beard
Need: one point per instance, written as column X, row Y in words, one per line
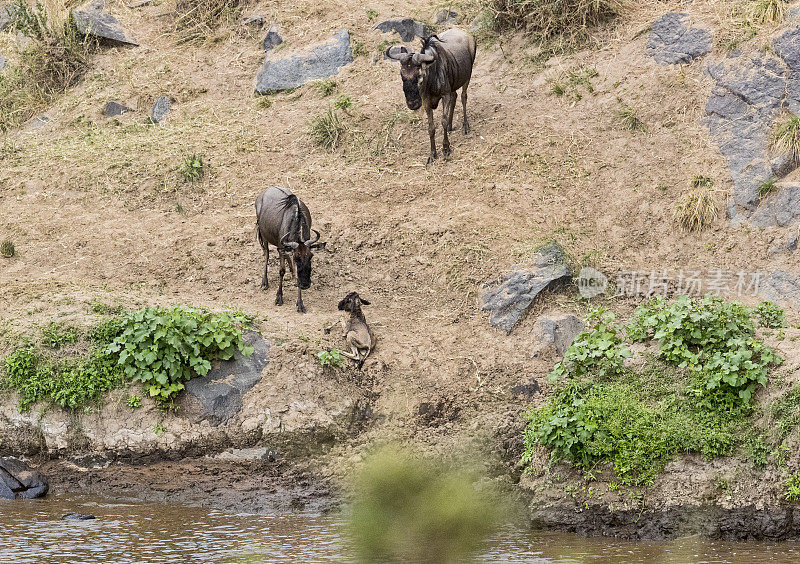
column 411, row 90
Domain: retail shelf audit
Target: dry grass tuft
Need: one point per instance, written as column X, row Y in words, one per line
column 327, row 130
column 786, row 136
column 697, row 209
column 768, row 11
column 56, row 59
column 550, row 18
column 196, row 21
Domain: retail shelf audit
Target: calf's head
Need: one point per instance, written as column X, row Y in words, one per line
column 413, row 70
column 352, row 302
column 302, row 255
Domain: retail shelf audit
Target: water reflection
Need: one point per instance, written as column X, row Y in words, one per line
column 136, row 532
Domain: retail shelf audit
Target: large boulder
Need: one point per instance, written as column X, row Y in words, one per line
column 294, row 70
column 20, row 481
column 91, row 19
column 750, row 92
column 218, row 394
column 406, row 28
column 673, row 41
column 782, row 288
column 509, row 298
column 553, row 335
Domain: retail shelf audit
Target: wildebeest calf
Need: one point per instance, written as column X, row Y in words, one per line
column 355, row 330
column 443, row 65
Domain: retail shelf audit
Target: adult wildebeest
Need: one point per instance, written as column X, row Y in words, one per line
column 355, row 330
column 284, row 221
column 442, row 66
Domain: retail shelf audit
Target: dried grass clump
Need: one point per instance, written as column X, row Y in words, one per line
column 197, row 20
column 327, row 130
column 768, row 11
column 7, row 249
column 549, row 18
column 697, row 209
column 786, row 136
column 56, row 59
column 629, row 118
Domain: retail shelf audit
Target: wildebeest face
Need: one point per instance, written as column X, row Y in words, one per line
column 411, row 74
column 351, row 302
column 302, row 261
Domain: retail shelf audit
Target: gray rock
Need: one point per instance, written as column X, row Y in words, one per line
column 406, row 28
column 446, row 16
column 780, row 209
column 673, row 40
column 6, row 15
column 782, row 288
column 115, row 109
column 77, row 517
column 273, row 39
column 508, row 299
column 552, row 335
column 787, row 245
column 294, row 70
column 20, row 481
column 2, row 61
column 90, row 19
column 239, row 454
column 161, row 108
column 219, row 393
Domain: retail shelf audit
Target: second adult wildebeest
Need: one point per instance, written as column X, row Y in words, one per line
column 284, row 222
column 442, row 66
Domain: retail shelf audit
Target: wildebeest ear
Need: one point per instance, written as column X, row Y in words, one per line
column 341, row 305
column 363, row 301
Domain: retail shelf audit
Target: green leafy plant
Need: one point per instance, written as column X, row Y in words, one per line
column 56, row 334
column 792, row 488
column 7, row 249
column 710, row 336
column 192, row 168
column 159, row 429
column 598, row 351
column 371, row 14
column 163, row 347
column 332, row 358
column 327, row 130
column 134, row 401
column 770, row 315
column 343, row 102
column 756, row 449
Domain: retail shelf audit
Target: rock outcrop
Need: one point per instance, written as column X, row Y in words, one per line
column 294, row 70
column 750, row 93
column 91, row 19
column 553, row 334
column 674, row 41
column 20, row 481
column 219, row 393
column 161, row 108
column 508, row 299
column 406, row 28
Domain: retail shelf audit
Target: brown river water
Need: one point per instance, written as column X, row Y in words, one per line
column 128, row 531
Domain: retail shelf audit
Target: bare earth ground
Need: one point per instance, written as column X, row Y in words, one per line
column 97, row 209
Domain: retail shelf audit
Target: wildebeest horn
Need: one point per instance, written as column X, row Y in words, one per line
column 314, row 240
column 398, row 53
column 423, row 58
column 290, row 244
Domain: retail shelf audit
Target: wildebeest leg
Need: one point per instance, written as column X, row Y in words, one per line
column 452, row 111
column 281, row 273
column 300, row 307
column 464, row 105
column 446, row 108
column 264, row 283
column 292, row 267
column 432, row 133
